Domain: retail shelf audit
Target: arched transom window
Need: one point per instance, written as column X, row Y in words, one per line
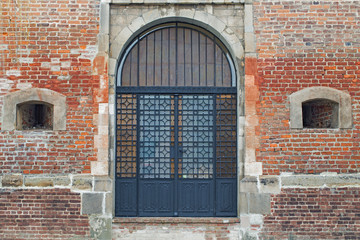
column 176, row 54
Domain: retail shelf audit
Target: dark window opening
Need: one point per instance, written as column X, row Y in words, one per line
column 320, row 113
column 34, row 115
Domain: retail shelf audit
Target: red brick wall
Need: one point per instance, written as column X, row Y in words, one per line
column 53, row 45
column 41, row 214
column 302, row 44
column 314, row 214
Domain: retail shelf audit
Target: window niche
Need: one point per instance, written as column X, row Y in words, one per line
column 320, row 107
column 320, row 113
column 34, row 115
column 34, row 108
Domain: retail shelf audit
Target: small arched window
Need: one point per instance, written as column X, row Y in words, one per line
column 320, row 107
column 34, row 108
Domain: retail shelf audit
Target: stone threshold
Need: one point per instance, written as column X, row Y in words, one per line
column 176, row 220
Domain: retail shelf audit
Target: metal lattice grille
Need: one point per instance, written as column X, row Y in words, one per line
column 160, row 136
column 126, row 123
column 156, row 120
column 196, row 136
column 226, row 136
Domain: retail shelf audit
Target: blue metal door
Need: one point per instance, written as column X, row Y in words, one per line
column 176, row 155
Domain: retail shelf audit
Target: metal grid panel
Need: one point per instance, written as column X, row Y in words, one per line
column 156, row 120
column 226, row 136
column 196, row 136
column 205, row 130
column 126, row 123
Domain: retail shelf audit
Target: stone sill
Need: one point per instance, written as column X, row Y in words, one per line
column 176, row 220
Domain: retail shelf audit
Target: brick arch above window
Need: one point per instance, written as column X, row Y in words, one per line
column 12, row 100
column 313, row 93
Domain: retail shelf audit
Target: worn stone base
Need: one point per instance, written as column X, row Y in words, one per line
column 176, row 228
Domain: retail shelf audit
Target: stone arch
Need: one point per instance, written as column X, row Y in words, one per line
column 200, row 18
column 313, row 93
column 56, row 99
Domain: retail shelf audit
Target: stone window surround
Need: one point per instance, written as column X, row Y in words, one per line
column 11, row 100
column 313, row 93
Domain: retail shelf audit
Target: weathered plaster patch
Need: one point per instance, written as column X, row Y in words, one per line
column 23, row 85
column 13, row 72
column 88, row 53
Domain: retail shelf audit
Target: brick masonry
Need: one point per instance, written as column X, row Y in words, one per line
column 41, row 214
column 52, row 45
column 324, row 213
column 310, row 43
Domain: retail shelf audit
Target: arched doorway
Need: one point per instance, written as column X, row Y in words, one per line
column 176, row 125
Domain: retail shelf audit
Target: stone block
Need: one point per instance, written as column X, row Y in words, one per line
column 31, row 181
column 245, row 221
column 230, row 36
column 103, row 153
column 112, row 65
column 63, row 181
column 248, row 19
column 216, row 23
column 243, row 203
column 104, row 18
column 259, row 203
column 103, row 184
column 15, row 180
column 137, row 24
column 152, row 15
column 108, row 203
column 100, row 228
column 100, row 168
column 84, row 182
column 252, row 168
column 187, row 13
column 250, row 42
column 269, row 184
column 238, row 50
column 92, row 203
column 249, row 184
column 256, row 219
column 103, row 42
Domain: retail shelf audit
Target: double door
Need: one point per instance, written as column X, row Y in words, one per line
column 176, row 155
